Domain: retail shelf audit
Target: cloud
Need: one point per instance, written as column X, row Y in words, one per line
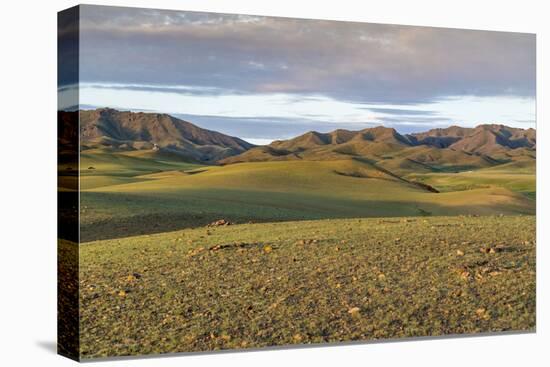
column 399, row 111
column 173, row 89
column 358, row 62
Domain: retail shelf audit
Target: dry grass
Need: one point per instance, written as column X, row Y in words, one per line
column 257, row 285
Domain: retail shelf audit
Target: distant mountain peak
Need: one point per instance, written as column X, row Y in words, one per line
column 108, row 127
column 382, row 134
column 488, row 139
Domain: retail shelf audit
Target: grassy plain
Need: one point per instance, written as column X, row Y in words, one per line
column 266, row 284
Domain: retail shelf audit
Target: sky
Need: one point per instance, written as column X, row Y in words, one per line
column 267, row 78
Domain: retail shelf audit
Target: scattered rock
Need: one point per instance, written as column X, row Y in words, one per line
column 354, row 311
column 307, row 242
column 459, row 253
column 238, row 245
column 465, row 275
column 220, row 222
column 482, row 313
column 131, row 278
column 195, row 251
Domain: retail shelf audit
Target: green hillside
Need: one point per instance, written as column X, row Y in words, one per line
column 104, row 167
column 126, row 195
column 518, row 176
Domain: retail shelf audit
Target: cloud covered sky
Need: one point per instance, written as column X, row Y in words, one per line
column 264, row 78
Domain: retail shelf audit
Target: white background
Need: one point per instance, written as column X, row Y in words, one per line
column 28, row 183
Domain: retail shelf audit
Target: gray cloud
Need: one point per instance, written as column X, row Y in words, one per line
column 360, row 62
column 188, row 91
column 399, row 111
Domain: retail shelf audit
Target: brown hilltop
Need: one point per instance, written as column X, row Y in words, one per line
column 455, row 146
column 440, row 138
column 129, row 130
column 488, row 139
column 314, row 139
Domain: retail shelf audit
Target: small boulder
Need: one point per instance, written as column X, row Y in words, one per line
column 220, row 222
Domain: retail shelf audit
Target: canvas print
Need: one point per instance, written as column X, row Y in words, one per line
column 238, row 182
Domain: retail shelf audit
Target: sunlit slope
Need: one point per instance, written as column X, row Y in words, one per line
column 265, row 284
column 344, row 178
column 429, row 159
column 347, row 179
column 102, row 167
column 517, row 176
column 276, row 191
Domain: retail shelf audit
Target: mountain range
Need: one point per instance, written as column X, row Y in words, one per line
column 453, row 147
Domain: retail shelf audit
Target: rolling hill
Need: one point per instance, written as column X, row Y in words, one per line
column 126, row 131
column 188, row 197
